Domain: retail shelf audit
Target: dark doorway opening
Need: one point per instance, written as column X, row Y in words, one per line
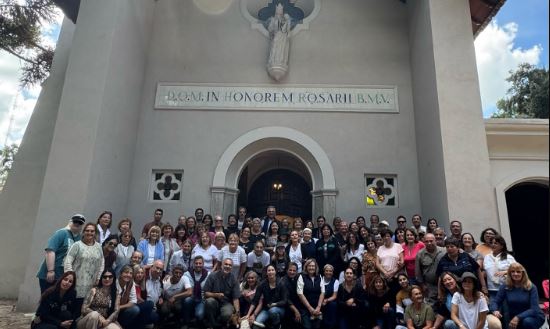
column 282, row 188
column 527, row 205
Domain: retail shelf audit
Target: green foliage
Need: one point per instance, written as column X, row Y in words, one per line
column 7, row 155
column 528, row 95
column 20, row 26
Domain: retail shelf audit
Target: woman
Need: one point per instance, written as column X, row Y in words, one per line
column 403, row 298
column 469, row 308
column 244, row 240
column 272, row 237
column 200, row 229
column 496, row 265
column 280, row 259
column 269, row 301
column 399, row 236
column 57, row 305
column 232, row 225
column 147, row 314
column 256, row 231
column 449, row 286
column 368, row 264
column 360, row 220
column 125, row 226
column 237, row 255
column 330, row 305
column 390, row 260
column 294, row 250
column 364, row 235
column 311, row 294
column 100, row 310
column 327, row 249
column 220, row 241
column 191, row 224
column 522, row 298
column 208, row 222
column 308, row 245
column 485, row 247
column 169, row 243
column 355, row 264
column 85, row 258
column 180, row 233
column 151, row 247
column 469, row 246
column 248, row 291
column 418, row 315
column 218, row 226
column 353, row 248
column 182, row 256
column 128, row 309
column 298, row 224
column 410, row 249
column 205, row 249
column 349, row 299
column 109, row 246
column 431, row 225
column 103, row 225
column 123, row 251
column 382, row 315
column 353, row 228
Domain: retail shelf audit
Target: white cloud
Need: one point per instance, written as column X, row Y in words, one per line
column 496, row 55
column 17, row 105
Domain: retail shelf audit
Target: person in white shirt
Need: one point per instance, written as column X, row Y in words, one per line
column 128, row 310
column 237, row 254
column 176, row 288
column 469, row 307
column 258, row 259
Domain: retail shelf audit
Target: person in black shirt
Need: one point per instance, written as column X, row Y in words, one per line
column 57, row 307
column 269, row 301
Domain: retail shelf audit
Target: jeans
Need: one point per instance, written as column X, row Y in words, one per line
column 217, row 313
column 330, row 314
column 147, row 314
column 127, row 316
column 307, row 322
column 450, row 324
column 190, row 305
column 274, row 315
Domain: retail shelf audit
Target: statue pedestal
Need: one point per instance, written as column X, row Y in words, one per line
column 277, row 72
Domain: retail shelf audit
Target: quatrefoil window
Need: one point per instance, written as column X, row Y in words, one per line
column 167, row 186
column 380, row 191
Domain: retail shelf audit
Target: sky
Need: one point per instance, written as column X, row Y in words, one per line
column 518, row 34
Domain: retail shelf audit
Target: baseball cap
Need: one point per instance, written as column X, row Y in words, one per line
column 385, row 222
column 78, row 219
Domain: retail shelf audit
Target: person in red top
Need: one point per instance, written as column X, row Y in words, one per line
column 411, row 247
column 156, row 222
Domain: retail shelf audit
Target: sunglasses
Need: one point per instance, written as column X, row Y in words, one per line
column 401, row 222
column 107, row 277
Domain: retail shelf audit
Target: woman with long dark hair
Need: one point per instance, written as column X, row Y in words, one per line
column 349, row 299
column 496, row 265
column 57, row 307
column 380, row 301
column 101, row 306
column 327, row 250
column 469, row 307
column 269, row 301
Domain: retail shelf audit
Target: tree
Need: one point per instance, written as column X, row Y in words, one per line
column 7, row 155
column 528, row 95
column 20, row 35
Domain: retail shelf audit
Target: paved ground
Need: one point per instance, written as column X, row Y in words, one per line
column 10, row 318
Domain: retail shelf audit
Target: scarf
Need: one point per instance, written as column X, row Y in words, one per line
column 197, row 291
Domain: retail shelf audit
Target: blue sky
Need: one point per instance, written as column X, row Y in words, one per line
column 519, row 33
column 532, row 19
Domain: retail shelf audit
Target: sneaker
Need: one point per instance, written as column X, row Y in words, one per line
column 259, row 325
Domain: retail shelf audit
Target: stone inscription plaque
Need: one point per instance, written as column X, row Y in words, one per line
column 278, row 98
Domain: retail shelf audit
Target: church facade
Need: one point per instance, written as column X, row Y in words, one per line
column 353, row 107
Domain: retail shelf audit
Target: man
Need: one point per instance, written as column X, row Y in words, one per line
column 176, row 288
column 342, row 234
column 374, row 221
column 317, row 230
column 199, row 213
column 194, row 304
column 221, row 292
column 242, row 217
column 157, row 217
column 417, row 224
column 426, row 265
column 271, row 212
column 136, row 258
column 153, row 284
column 456, row 230
column 56, row 250
column 439, row 235
column 258, row 259
column 401, row 222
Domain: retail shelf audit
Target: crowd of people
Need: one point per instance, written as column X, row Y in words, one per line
column 269, row 272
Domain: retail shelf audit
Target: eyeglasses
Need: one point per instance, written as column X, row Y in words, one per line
column 107, row 277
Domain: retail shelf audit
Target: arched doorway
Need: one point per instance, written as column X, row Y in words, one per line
column 282, row 188
column 527, row 205
column 276, row 178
